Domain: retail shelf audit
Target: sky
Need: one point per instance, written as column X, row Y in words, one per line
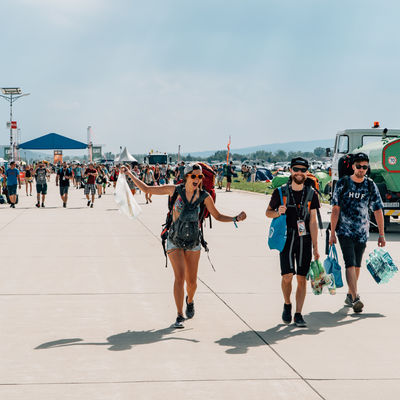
column 157, row 74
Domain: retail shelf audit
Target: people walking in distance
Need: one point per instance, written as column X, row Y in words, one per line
column 63, row 177
column 13, row 180
column 41, row 173
column 99, row 181
column 352, row 198
column 114, row 176
column 180, row 172
column 300, row 203
column 157, row 175
column 229, row 174
column 90, row 186
column 253, row 173
column 148, row 178
column 183, row 248
column 78, row 176
column 28, row 180
column 220, row 176
column 130, row 182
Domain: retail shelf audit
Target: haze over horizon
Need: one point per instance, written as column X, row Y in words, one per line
column 157, row 74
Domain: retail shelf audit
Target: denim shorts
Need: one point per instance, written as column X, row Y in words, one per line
column 12, row 190
column 41, row 188
column 63, row 190
column 171, row 246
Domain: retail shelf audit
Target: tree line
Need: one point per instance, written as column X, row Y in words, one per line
column 220, row 156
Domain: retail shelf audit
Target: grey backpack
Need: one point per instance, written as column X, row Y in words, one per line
column 185, row 231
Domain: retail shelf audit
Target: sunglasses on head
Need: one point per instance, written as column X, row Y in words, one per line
column 299, row 169
column 358, row 166
column 193, row 176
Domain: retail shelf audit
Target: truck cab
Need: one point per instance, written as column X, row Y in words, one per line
column 383, row 149
column 349, row 140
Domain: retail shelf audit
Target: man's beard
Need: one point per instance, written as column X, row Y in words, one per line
column 299, row 179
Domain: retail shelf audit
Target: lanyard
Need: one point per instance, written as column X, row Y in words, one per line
column 298, row 213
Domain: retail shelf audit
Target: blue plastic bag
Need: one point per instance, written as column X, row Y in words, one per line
column 331, row 265
column 277, row 231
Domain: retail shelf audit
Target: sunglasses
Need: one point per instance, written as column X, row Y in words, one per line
column 298, row 169
column 358, row 166
column 193, row 176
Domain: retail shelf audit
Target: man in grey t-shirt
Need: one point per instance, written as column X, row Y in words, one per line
column 41, row 183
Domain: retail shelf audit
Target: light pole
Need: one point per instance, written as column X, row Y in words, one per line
column 11, row 95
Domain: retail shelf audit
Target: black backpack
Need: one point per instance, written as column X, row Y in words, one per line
column 345, row 165
column 187, row 231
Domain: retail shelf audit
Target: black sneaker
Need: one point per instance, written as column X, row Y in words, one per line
column 91, row 206
column 179, row 322
column 348, row 300
column 299, row 321
column 88, row 203
column 189, row 309
column 65, row 205
column 43, row 205
column 38, row 205
column 358, row 305
column 287, row 313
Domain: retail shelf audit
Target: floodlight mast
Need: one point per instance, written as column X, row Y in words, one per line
column 11, row 95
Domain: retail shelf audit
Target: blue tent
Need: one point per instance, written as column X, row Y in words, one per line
column 53, row 141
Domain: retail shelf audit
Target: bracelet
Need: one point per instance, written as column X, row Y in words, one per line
column 234, row 219
column 382, row 236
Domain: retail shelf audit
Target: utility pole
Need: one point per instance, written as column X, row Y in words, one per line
column 12, row 95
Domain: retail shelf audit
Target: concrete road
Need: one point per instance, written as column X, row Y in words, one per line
column 86, row 312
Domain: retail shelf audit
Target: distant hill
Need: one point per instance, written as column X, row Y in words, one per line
column 288, row 146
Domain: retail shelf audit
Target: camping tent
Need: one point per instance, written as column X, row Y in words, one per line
column 125, row 156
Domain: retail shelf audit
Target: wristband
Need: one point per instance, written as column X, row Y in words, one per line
column 234, row 219
column 382, row 236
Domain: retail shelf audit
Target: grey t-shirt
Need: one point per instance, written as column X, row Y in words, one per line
column 41, row 176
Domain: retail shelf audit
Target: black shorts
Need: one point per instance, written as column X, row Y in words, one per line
column 297, row 251
column 229, row 179
column 352, row 250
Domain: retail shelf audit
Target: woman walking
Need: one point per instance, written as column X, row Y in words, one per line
column 99, row 181
column 148, row 177
column 184, row 256
column 28, row 179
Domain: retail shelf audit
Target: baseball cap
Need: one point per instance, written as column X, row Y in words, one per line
column 360, row 157
column 299, row 161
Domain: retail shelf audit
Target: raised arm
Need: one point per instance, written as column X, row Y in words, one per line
column 220, row 217
column 157, row 190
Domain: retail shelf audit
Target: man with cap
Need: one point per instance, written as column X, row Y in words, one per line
column 13, row 180
column 300, row 204
column 353, row 197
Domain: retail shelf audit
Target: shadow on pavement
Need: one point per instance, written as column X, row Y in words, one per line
column 121, row 341
column 317, row 321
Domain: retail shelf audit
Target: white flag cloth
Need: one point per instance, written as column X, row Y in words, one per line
column 124, row 198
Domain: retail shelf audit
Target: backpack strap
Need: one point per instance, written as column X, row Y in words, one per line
column 168, row 222
column 307, row 201
column 284, row 192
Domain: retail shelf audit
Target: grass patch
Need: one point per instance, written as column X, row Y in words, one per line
column 258, row 187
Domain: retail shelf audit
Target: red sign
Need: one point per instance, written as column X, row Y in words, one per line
column 13, row 124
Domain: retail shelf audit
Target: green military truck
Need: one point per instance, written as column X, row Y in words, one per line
column 383, row 149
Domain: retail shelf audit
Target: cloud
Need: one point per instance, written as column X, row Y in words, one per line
column 64, row 13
